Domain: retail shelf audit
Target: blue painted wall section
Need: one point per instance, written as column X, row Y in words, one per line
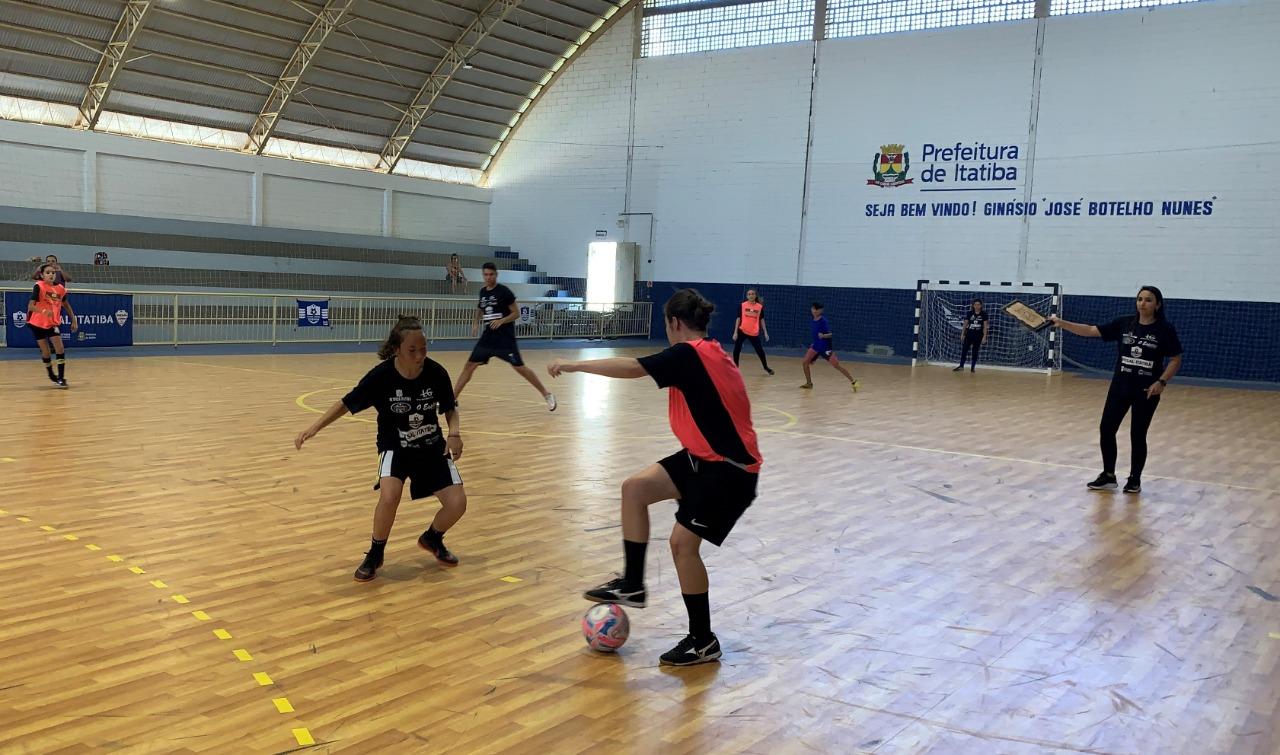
column 1223, row 340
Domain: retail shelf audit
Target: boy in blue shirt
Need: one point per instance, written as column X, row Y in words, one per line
column 820, row 346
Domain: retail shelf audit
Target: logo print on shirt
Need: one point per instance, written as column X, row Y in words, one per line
column 400, row 403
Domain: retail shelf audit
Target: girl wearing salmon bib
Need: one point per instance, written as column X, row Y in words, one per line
column 44, row 313
column 749, row 327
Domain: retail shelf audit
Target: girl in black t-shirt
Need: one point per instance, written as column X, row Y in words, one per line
column 407, row 389
column 1145, row 341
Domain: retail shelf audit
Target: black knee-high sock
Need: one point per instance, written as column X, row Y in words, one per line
column 699, row 607
column 634, row 553
column 62, row 366
column 48, row 364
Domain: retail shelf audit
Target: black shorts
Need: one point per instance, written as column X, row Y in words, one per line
column 509, row 353
column 429, row 470
column 713, row 494
column 42, row 333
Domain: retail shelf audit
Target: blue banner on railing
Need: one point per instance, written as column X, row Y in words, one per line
column 104, row 319
column 313, row 314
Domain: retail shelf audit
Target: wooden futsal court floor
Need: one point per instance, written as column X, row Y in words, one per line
column 924, row 570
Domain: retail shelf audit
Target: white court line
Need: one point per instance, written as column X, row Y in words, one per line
column 882, row 444
column 990, row 457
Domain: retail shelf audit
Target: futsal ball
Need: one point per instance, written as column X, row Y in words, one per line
column 605, row 627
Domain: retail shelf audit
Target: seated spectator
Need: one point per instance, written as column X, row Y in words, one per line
column 453, row 273
column 60, row 278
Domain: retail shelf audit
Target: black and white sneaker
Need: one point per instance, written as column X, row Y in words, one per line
column 1134, row 485
column 766, row 369
column 62, row 383
column 618, row 592
column 1105, row 481
column 690, row 652
column 368, row 568
column 53, row 378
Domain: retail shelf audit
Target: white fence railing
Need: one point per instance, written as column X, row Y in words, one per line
column 211, row 318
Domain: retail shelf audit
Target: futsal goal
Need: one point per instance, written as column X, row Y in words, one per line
column 941, row 306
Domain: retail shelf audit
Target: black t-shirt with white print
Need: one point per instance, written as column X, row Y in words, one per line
column 406, row 408
column 973, row 322
column 1142, row 349
column 495, row 304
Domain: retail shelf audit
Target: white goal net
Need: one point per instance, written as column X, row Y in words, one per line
column 941, row 307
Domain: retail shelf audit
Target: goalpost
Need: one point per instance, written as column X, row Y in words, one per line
column 941, row 306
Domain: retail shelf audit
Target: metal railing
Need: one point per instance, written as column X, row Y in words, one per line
column 176, row 318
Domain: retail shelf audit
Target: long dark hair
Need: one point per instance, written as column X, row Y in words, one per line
column 1159, row 300
column 689, row 307
column 390, row 346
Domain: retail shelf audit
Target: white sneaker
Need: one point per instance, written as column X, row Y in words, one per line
column 551, row 402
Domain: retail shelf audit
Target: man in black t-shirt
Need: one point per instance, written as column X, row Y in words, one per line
column 497, row 312
column 973, row 331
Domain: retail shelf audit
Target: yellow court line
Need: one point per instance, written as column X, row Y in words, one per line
column 792, row 421
column 282, row 704
column 301, row 401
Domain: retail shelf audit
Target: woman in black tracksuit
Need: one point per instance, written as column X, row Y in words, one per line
column 973, row 332
column 1145, row 341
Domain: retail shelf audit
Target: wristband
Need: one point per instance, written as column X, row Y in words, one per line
column 1163, row 382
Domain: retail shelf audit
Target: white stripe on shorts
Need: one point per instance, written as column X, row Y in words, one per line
column 384, row 464
column 453, row 472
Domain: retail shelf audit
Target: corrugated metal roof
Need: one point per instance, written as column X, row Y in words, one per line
column 213, row 63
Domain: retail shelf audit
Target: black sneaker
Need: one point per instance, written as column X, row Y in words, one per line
column 1134, row 485
column 368, row 568
column 766, row 369
column 690, row 652
column 961, row 367
column 1105, row 481
column 62, row 383
column 435, row 545
column 618, row 592
column 53, row 378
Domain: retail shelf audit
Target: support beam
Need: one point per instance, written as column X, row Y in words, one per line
column 325, row 22
column 112, row 61
column 452, row 59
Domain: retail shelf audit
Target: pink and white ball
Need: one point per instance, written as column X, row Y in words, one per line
column 605, row 627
